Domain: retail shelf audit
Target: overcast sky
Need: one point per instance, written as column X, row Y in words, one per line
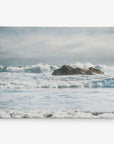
column 32, row 45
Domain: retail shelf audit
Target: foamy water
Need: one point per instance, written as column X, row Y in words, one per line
column 33, row 92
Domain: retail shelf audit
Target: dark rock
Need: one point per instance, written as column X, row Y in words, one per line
column 68, row 70
column 12, row 115
column 97, row 71
column 97, row 113
column 25, row 116
column 49, row 115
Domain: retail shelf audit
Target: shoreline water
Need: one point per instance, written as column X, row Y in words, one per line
column 55, row 114
column 34, row 90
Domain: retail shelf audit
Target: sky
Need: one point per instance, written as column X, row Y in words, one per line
column 52, row 45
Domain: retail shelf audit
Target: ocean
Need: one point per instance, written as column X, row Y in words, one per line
column 32, row 91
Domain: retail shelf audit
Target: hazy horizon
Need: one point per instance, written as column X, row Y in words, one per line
column 52, row 45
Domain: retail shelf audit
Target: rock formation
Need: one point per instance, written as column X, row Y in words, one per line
column 68, row 70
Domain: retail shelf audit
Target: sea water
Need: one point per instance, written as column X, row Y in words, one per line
column 33, row 92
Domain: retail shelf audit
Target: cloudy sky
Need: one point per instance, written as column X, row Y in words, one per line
column 32, row 45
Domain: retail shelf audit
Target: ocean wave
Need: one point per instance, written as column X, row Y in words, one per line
column 107, row 69
column 40, row 76
column 46, row 81
column 39, row 68
column 55, row 114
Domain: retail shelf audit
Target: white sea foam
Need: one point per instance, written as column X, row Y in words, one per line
column 40, row 76
column 55, row 114
column 107, row 69
column 39, row 68
column 29, row 91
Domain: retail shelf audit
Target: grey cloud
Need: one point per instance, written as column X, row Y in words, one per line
column 78, row 44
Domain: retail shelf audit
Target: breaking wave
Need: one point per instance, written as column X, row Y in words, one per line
column 107, row 69
column 40, row 76
column 39, row 68
column 34, row 81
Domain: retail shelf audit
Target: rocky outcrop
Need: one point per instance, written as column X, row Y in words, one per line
column 68, row 70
